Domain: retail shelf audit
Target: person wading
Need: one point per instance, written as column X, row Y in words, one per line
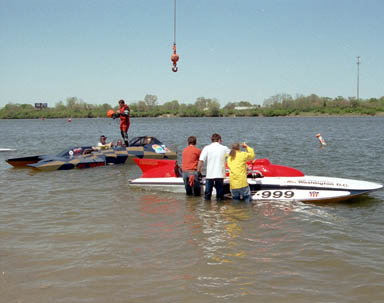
column 189, row 163
column 214, row 155
column 237, row 164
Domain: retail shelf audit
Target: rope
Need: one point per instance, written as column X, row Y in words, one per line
column 174, row 23
column 175, row 56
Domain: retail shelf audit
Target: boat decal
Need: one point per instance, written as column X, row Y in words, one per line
column 320, row 183
column 292, row 187
column 313, row 194
column 159, row 149
column 277, row 194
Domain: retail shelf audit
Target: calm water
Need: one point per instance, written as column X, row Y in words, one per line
column 85, row 236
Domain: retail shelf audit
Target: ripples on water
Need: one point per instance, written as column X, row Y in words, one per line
column 85, row 236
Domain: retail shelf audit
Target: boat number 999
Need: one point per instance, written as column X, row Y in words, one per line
column 277, row 194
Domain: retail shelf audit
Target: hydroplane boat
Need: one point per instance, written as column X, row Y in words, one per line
column 267, row 182
column 87, row 156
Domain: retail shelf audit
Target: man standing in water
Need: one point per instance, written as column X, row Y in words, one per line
column 214, row 155
column 190, row 161
column 124, row 120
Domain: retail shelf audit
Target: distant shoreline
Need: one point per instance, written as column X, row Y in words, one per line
column 379, row 114
column 300, row 115
column 281, row 105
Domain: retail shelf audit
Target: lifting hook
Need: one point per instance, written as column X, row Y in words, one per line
column 174, row 58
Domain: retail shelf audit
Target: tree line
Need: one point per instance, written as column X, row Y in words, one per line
column 278, row 105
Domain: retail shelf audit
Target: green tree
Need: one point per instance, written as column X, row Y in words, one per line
column 150, row 101
column 171, row 107
column 244, row 104
column 210, row 106
column 214, row 108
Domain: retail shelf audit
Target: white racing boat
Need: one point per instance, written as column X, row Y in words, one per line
column 267, row 182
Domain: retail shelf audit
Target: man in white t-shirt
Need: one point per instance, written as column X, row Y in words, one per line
column 214, row 155
column 103, row 143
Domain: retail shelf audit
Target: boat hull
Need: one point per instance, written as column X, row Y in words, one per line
column 304, row 189
column 309, row 188
column 23, row 161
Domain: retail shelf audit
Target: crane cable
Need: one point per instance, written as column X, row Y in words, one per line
column 174, row 57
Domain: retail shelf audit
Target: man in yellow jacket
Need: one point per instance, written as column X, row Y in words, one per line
column 237, row 164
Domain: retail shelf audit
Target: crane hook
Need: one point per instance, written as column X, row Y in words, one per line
column 174, row 59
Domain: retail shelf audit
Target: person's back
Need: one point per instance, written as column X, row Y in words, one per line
column 237, row 164
column 190, row 158
column 189, row 165
column 214, row 155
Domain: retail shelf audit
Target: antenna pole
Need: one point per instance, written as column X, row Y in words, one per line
column 358, row 77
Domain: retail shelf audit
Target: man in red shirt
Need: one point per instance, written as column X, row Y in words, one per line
column 124, row 120
column 190, row 160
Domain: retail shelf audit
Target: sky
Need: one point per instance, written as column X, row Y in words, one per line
column 101, row 51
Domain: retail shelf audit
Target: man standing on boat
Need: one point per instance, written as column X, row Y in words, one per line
column 214, row 155
column 124, row 120
column 189, row 164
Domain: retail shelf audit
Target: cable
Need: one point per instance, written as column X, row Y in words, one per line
column 175, row 56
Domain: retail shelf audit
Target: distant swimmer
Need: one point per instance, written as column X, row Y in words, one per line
column 321, row 139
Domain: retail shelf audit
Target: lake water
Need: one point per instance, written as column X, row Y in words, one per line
column 86, row 236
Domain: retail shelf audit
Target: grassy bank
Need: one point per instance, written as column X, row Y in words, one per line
column 277, row 106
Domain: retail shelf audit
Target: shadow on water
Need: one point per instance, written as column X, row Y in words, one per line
column 363, row 201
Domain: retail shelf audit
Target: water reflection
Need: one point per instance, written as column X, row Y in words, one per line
column 161, row 214
column 219, row 227
column 244, row 246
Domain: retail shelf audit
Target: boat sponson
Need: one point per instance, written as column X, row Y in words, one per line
column 23, row 161
column 157, row 168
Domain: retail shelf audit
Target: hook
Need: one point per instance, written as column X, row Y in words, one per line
column 174, row 58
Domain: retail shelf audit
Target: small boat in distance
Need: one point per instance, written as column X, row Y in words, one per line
column 267, row 182
column 87, row 156
column 6, row 149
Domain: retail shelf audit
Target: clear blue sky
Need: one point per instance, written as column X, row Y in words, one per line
column 232, row 50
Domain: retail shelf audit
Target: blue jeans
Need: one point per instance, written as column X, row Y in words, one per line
column 243, row 192
column 218, row 183
column 196, row 190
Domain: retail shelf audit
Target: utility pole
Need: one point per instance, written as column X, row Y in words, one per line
column 358, row 74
